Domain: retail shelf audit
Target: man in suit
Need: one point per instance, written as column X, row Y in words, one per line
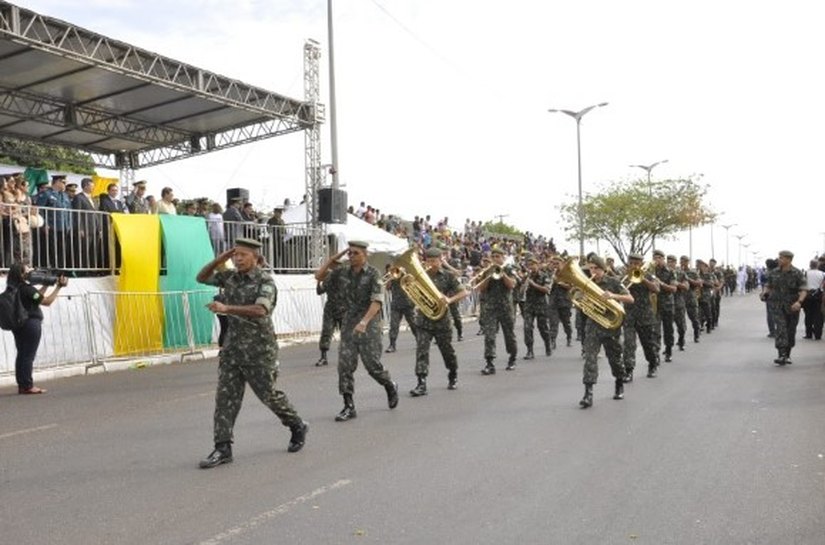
column 109, row 202
column 88, row 232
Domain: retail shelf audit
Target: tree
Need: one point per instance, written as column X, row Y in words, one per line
column 501, row 228
column 32, row 154
column 628, row 215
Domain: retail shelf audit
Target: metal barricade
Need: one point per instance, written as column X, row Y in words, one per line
column 285, row 248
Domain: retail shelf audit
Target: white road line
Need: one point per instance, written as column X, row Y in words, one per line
column 272, row 513
column 28, row 430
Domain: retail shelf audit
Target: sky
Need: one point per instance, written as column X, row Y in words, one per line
column 442, row 105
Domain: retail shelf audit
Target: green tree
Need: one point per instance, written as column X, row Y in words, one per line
column 501, row 228
column 628, row 215
column 32, row 154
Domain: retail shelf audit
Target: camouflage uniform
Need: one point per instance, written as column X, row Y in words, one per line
column 692, row 304
column 716, row 299
column 560, row 312
column 706, row 300
column 596, row 336
column 400, row 306
column 455, row 312
column 679, row 307
column 359, row 291
column 665, row 311
column 640, row 319
column 497, row 309
column 785, row 287
column 440, row 330
column 250, row 352
column 536, row 308
column 333, row 312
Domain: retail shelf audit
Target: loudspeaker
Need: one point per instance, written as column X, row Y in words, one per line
column 332, row 205
column 237, row 192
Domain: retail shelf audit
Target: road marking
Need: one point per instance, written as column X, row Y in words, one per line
column 272, row 513
column 28, row 430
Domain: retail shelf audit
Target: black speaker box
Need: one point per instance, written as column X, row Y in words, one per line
column 332, row 205
column 237, row 192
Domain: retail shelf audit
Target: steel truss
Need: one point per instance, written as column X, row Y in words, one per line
column 312, row 147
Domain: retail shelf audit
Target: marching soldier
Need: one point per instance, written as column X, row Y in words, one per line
column 440, row 330
column 682, row 289
column 333, row 312
column 718, row 285
column 691, row 295
column 706, row 295
column 785, row 292
column 497, row 309
column 536, row 307
column 363, row 292
column 561, row 307
column 400, row 306
column 597, row 336
column 665, row 302
column 640, row 319
column 455, row 312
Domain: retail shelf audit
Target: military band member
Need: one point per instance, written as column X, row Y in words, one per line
column 682, row 287
column 640, row 319
column 400, row 306
column 716, row 298
column 455, row 311
column 708, row 280
column 665, row 302
column 440, row 330
column 497, row 309
column 561, row 307
column 250, row 352
column 536, row 307
column 691, row 296
column 597, row 336
column 333, row 313
column 785, row 292
column 361, row 331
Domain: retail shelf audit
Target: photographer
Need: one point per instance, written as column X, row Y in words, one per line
column 27, row 336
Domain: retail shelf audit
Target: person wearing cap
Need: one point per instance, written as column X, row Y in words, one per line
column 536, row 307
column 706, row 295
column 692, row 295
column 233, row 221
column 665, row 302
column 785, row 292
column 55, row 205
column 596, row 336
column 716, row 294
column 496, row 289
column 400, row 307
column 561, row 306
column 679, row 306
column 640, row 319
column 277, row 227
column 361, row 332
column 334, row 309
column 454, row 309
column 250, row 350
column 451, row 292
column 136, row 201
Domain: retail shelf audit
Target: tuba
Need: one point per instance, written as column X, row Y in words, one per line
column 587, row 296
column 418, row 286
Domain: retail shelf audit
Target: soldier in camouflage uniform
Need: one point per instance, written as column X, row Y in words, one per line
column 785, row 292
column 665, row 302
column 333, row 314
column 498, row 310
column 716, row 295
column 691, row 299
column 440, row 330
column 400, row 306
column 536, row 307
column 361, row 331
column 455, row 312
column 561, row 307
column 682, row 288
column 640, row 319
column 250, row 351
column 708, row 280
column 597, row 336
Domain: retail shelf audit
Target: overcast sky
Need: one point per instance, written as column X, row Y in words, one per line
column 443, row 104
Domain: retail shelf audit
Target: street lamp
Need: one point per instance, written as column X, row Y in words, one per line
column 727, row 250
column 648, row 168
column 740, row 237
column 578, row 117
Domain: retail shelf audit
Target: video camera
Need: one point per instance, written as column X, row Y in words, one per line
column 43, row 278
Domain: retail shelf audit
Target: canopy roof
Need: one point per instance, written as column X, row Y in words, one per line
column 64, row 85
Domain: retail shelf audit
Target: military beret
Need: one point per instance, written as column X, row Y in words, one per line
column 58, row 177
column 637, row 257
column 712, row 260
column 671, row 257
column 700, row 262
column 495, row 251
column 786, row 253
column 432, row 252
column 658, row 253
column 358, row 244
column 684, row 258
column 598, row 262
column 248, row 243
column 41, row 183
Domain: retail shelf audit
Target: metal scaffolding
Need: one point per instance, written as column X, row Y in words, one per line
column 312, row 145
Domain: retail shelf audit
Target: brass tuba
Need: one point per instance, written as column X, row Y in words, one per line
column 418, row 286
column 588, row 297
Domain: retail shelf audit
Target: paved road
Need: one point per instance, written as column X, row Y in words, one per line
column 724, row 447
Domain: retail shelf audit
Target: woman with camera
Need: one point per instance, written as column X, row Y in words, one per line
column 27, row 336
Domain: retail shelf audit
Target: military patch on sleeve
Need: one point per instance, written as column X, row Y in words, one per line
column 267, row 290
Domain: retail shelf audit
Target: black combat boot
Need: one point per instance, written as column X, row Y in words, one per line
column 587, row 400
column 788, row 356
column 323, row 360
column 421, row 388
column 668, row 355
column 529, row 355
column 348, row 412
column 696, row 336
column 569, row 342
column 489, row 369
column 299, row 437
column 221, row 455
column 548, row 350
column 628, row 376
column 651, row 371
column 552, row 344
column 452, row 380
column 780, row 360
column 681, row 343
column 392, row 395
column 619, row 392
column 390, row 349
column 511, row 363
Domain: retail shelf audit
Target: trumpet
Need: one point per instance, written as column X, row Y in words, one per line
column 493, row 271
column 637, row 275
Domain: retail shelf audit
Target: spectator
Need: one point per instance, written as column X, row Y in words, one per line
column 136, row 202
column 166, row 205
column 88, row 236
column 214, row 225
column 362, row 209
column 233, row 221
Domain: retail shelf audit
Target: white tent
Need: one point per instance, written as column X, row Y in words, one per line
column 380, row 241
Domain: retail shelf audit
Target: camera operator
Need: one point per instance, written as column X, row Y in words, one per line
column 27, row 336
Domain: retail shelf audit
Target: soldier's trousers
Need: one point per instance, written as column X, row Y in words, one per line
column 681, row 324
column 666, row 324
column 784, row 328
column 580, row 319
column 692, row 309
column 705, row 313
column 332, row 320
column 492, row 319
column 455, row 312
column 647, row 337
column 367, row 346
column 716, row 303
column 232, row 379
column 560, row 315
column 395, row 321
column 443, row 339
column 531, row 315
column 594, row 338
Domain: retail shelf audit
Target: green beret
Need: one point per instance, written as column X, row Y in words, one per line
column 358, row 244
column 495, row 251
column 684, row 258
column 432, row 252
column 248, row 243
column 671, row 257
column 658, row 253
column 637, row 257
column 786, row 253
column 532, row 259
column 598, row 262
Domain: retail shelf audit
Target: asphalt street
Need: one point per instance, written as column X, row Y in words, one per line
column 723, row 447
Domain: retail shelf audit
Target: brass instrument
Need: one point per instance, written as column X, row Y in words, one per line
column 588, row 297
column 493, row 271
column 417, row 284
column 637, row 275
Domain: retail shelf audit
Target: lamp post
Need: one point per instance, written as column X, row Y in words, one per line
column 578, row 117
column 739, row 258
column 746, row 246
column 727, row 250
column 648, row 168
column 333, row 117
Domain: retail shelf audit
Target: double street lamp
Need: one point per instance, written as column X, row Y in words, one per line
column 727, row 250
column 578, row 117
column 648, row 168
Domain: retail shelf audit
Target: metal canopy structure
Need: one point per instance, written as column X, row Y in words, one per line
column 62, row 85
